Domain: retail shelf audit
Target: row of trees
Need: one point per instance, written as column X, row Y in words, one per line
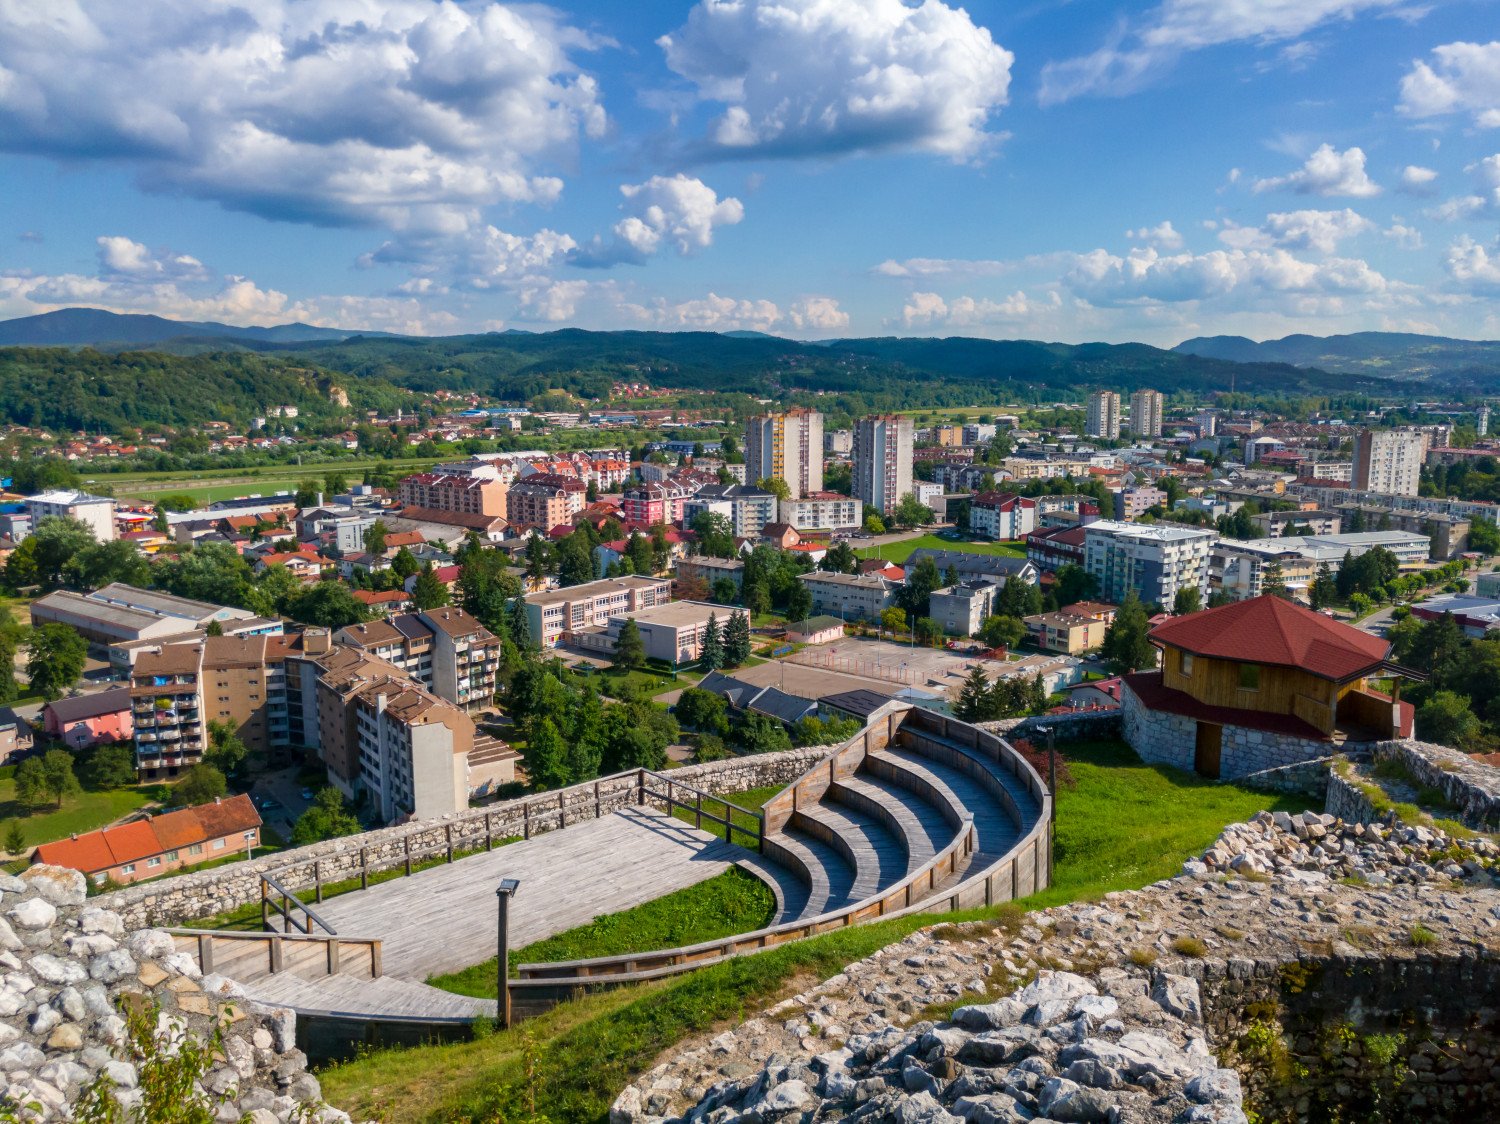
column 711, row 717
column 983, row 700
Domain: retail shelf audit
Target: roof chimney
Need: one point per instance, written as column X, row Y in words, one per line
column 218, row 800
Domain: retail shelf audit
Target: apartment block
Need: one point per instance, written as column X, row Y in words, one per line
column 786, row 446
column 948, row 436
column 1002, row 515
column 850, row 596
column 747, row 507
column 839, row 442
column 445, row 650
column 470, row 495
column 961, row 609
column 1389, row 460
column 1103, row 415
column 545, row 500
column 1156, row 560
column 97, row 513
column 1146, row 408
column 556, row 613
column 821, row 511
column 1065, row 633
column 1132, row 503
column 882, row 460
column 655, row 502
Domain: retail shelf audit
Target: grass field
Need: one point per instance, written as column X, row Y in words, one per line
column 231, row 483
column 1125, row 824
column 729, row 903
column 899, row 552
column 81, row 812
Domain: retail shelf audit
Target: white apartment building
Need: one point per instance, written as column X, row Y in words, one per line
column 97, row 513
column 1002, row 515
column 1156, row 560
column 787, row 446
column 821, row 511
column 1104, row 415
column 840, row 442
column 851, row 597
column 963, row 608
column 1146, row 408
column 747, row 508
column 1389, row 460
column 553, row 612
column 882, row 460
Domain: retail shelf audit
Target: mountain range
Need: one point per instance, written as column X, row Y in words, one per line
column 1386, row 355
column 94, row 327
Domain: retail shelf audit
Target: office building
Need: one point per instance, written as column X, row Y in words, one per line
column 786, row 446
column 882, row 460
column 1389, row 460
column 1146, row 413
column 97, row 513
column 553, row 614
column 1104, row 415
column 672, row 633
column 1155, row 560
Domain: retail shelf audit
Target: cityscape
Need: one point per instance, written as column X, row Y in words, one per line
column 449, row 674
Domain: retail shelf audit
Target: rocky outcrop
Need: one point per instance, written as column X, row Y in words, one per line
column 1150, row 1005
column 89, row 1010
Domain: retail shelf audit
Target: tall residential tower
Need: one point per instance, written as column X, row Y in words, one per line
column 1104, row 415
column 786, row 447
column 882, row 460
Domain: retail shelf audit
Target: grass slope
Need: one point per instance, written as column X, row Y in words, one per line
column 729, row 903
column 1124, row 825
column 79, row 813
column 899, row 552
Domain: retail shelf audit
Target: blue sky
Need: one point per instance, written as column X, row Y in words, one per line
column 1048, row 170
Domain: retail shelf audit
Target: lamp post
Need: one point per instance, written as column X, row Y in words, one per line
column 503, row 892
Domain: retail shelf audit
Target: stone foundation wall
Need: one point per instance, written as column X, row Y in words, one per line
column 1471, row 786
column 1085, row 726
column 1306, row 778
column 1347, row 802
column 190, row 897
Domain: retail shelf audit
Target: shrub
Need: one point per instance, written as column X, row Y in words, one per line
column 1036, row 757
column 1190, row 946
column 1143, row 957
column 1421, row 936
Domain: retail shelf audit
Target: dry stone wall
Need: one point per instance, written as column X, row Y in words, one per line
column 186, row 898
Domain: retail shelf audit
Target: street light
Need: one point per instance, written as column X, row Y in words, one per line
column 503, row 892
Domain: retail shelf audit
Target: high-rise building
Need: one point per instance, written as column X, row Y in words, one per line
column 1207, row 422
column 882, row 460
column 1104, row 415
column 1389, row 460
column 1145, row 413
column 1482, row 421
column 788, row 447
column 1156, row 560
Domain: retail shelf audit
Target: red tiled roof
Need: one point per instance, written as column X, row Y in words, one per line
column 1148, row 687
column 99, row 850
column 1270, row 630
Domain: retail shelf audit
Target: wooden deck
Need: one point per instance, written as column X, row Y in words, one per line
column 444, row 919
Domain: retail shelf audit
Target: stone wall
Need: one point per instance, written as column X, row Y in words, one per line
column 1306, row 778
column 1471, row 786
column 190, row 897
column 1084, row 726
column 1169, row 739
column 1347, row 801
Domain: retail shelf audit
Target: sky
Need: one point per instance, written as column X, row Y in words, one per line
column 1067, row 170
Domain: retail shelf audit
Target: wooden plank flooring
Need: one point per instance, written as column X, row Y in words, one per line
column 444, row 919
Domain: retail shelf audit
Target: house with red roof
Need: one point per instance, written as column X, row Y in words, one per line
column 1259, row 684
column 156, row 845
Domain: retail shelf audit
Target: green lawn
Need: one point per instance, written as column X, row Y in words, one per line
column 1124, row 825
column 729, row 903
column 750, row 799
column 81, row 812
column 899, row 552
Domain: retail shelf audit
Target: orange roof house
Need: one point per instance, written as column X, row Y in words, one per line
column 1256, row 685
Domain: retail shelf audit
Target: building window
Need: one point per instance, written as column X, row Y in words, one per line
column 153, row 862
column 128, row 868
column 171, row 856
column 196, row 849
column 1187, row 663
column 218, row 844
column 1249, row 677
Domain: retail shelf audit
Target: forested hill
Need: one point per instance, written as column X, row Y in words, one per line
column 62, row 389
column 520, row 366
column 1439, row 360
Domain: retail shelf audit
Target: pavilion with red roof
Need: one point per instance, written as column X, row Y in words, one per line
column 1256, row 685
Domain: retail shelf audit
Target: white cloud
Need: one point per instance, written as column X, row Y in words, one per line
column 1162, row 236
column 678, row 211
column 1327, row 172
column 126, row 258
column 1407, row 237
column 712, row 313
column 1417, row 180
column 1484, row 200
column 1461, row 78
column 817, row 314
column 1136, row 53
column 941, row 267
column 1473, row 267
column 1319, row 231
column 1104, row 278
column 553, row 301
column 826, row 77
column 924, row 308
column 406, row 114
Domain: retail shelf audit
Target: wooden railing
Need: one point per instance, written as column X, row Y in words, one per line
column 246, row 956
column 726, row 821
column 276, row 898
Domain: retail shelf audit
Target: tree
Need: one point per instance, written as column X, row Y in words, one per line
column 57, row 775
column 1018, row 598
column 760, row 733
column 703, row 711
column 107, row 765
column 1126, row 646
column 328, row 818
column 973, row 696
column 630, row 649
column 214, row 572
column 200, row 785
column 1484, row 536
column 799, row 602
column 912, row 512
column 99, row 564
column 737, row 639
column 545, row 756
column 335, row 483
column 776, row 486
column 813, row 730
column 307, row 493
column 1001, row 631
column 56, row 540
column 715, row 534
column 226, row 752
column 1189, row 599
column 10, row 640
column 56, row 658
column 711, row 654
column 1273, row 582
column 31, row 782
column 429, row 592
column 520, row 624
column 725, row 592
column 591, row 493
column 756, row 595
column 326, row 604
column 375, row 535
column 575, row 559
column 921, row 581
column 15, row 839
column 840, row 559
column 1448, row 719
column 874, row 524
column 1323, row 591
column 893, row 619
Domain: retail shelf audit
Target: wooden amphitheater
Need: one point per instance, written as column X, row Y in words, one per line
column 917, row 813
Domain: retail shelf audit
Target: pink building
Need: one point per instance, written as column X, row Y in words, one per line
column 86, row 720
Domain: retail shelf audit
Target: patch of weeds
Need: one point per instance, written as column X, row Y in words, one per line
column 1143, row 957
column 1394, row 769
column 1250, row 874
column 1296, row 978
column 1361, row 936
column 1008, row 920
column 1383, row 1049
column 1421, row 936
column 1229, row 932
column 1433, row 797
column 1190, row 946
column 1352, row 880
